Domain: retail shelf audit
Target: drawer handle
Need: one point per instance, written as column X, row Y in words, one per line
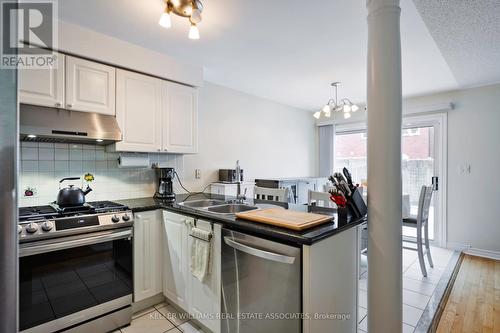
column 258, row 252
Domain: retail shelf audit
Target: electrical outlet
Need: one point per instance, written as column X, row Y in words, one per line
column 464, row 169
column 197, row 173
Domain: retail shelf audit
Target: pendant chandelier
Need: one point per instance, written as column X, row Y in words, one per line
column 185, row 8
column 344, row 105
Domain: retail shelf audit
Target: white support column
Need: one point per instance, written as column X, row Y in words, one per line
column 384, row 102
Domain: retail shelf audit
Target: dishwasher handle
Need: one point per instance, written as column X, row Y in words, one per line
column 259, row 253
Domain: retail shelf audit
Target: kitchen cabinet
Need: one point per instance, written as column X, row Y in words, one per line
column 230, row 189
column 90, row 86
column 200, row 299
column 175, row 259
column 74, row 84
column 139, row 111
column 155, row 115
column 204, row 298
column 180, row 118
column 44, row 87
column 147, row 255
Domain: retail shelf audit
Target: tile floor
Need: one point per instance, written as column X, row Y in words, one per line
column 417, row 290
column 161, row 318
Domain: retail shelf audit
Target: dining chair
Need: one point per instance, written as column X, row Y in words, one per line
column 321, row 199
column 271, row 194
column 421, row 223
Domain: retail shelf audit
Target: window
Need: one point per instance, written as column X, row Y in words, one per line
column 417, row 164
column 350, row 152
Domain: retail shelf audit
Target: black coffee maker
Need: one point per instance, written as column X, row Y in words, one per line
column 165, row 189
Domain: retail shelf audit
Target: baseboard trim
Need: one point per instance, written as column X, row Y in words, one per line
column 483, row 253
column 457, row 246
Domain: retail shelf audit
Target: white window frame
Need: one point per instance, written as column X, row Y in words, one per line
column 440, row 122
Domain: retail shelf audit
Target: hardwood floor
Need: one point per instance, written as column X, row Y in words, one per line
column 474, row 302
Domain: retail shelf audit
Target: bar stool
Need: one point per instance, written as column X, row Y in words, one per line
column 421, row 223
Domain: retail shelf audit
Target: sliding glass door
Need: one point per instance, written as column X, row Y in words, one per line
column 423, row 157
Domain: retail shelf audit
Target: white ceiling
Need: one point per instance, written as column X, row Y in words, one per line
column 468, row 34
column 280, row 50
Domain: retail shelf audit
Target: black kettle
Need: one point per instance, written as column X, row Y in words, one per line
column 71, row 195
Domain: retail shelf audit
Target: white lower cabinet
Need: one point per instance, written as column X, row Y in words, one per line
column 200, row 299
column 204, row 298
column 147, row 254
column 175, row 268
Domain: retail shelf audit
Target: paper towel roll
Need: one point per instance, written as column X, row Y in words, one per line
column 133, row 161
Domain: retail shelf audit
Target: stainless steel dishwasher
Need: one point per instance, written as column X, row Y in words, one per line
column 261, row 285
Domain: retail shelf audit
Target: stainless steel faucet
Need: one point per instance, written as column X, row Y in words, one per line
column 239, row 197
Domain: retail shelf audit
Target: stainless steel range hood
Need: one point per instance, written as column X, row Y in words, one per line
column 45, row 124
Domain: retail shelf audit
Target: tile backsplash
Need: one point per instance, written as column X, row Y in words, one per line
column 42, row 165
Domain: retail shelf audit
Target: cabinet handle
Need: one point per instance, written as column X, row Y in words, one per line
column 58, row 104
column 69, row 105
column 158, row 149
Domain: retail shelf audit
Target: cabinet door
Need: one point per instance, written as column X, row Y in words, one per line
column 147, row 255
column 138, row 111
column 43, row 87
column 180, row 118
column 90, row 86
column 204, row 297
column 175, row 260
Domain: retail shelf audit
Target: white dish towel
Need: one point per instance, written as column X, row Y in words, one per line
column 200, row 253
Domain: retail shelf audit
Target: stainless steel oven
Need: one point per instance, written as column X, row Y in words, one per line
column 79, row 283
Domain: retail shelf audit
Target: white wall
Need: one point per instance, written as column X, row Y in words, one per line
column 473, row 139
column 269, row 139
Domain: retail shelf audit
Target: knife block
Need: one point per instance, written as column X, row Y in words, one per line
column 356, row 204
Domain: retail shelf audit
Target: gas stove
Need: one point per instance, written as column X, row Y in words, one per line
column 48, row 221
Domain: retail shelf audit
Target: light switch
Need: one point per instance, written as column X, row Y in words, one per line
column 197, row 173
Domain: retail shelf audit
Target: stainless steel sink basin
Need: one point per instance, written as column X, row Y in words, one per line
column 202, row 203
column 231, row 208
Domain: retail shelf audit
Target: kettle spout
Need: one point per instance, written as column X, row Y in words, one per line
column 87, row 190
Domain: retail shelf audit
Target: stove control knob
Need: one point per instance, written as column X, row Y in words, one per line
column 32, row 227
column 125, row 217
column 47, row 226
column 115, row 219
column 19, row 229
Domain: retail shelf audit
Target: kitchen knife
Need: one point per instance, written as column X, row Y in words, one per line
column 348, row 176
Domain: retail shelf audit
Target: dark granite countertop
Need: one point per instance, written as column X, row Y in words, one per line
column 305, row 237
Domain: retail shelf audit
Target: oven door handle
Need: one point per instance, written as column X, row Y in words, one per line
column 28, row 249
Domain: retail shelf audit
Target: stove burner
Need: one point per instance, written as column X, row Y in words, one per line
column 107, row 206
column 36, row 212
column 84, row 209
column 53, row 211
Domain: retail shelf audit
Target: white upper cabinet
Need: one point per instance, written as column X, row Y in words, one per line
column 90, row 86
column 139, row 111
column 180, row 119
column 43, row 87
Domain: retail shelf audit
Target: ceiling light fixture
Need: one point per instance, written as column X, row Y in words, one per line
column 185, row 8
column 344, row 105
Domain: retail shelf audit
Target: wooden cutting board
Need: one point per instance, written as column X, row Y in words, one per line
column 285, row 218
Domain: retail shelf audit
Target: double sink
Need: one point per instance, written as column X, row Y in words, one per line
column 218, row 206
